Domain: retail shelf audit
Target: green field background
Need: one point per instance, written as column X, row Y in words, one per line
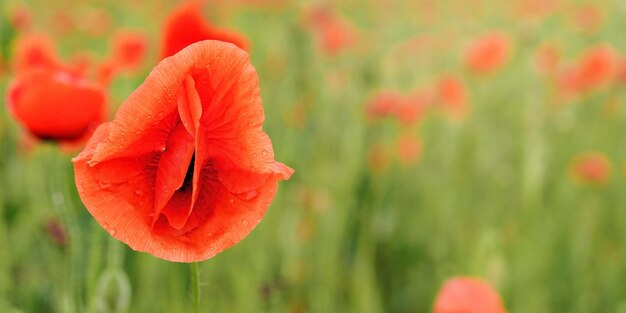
column 491, row 195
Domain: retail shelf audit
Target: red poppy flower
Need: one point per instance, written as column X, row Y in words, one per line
column 587, row 18
column 452, row 94
column 488, row 53
column 592, row 168
column 185, row 25
column 184, row 170
column 129, row 49
column 414, row 107
column 56, row 104
column 21, row 18
column 598, row 66
column 332, row 33
column 468, row 295
column 383, row 104
column 33, row 51
column 409, row 149
column 546, row 59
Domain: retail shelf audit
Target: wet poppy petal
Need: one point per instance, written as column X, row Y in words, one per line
column 204, row 189
column 173, row 166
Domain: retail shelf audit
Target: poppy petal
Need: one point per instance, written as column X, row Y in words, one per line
column 219, row 178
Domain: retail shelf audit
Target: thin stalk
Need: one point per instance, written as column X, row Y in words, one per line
column 195, row 286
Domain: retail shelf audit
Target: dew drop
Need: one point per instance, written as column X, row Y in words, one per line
column 121, row 147
column 161, row 113
column 105, row 226
column 149, row 116
column 113, row 232
column 107, row 186
column 264, row 152
column 139, row 192
column 247, row 196
column 138, row 132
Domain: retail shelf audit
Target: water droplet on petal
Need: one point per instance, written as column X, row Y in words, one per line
column 249, row 195
column 138, row 132
column 139, row 192
column 113, row 232
column 105, row 226
column 265, row 153
column 161, row 113
column 149, row 116
column 107, row 186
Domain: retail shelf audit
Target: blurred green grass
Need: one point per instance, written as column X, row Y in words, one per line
column 491, row 196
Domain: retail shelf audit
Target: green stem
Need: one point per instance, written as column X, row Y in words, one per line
column 195, row 286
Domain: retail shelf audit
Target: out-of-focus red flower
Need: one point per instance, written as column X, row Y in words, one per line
column 569, row 83
column 536, row 9
column 105, row 72
column 34, row 51
column 63, row 22
column 21, row 18
column 383, row 104
column 546, row 59
column 129, row 49
column 453, row 96
column 488, row 53
column 81, row 63
column 96, row 22
column 587, row 17
column 409, row 149
column 622, row 70
column 406, row 109
column 468, row 295
column 412, row 109
column 186, row 25
column 332, row 33
column 598, row 66
column 184, row 170
column 591, row 168
column 56, row 104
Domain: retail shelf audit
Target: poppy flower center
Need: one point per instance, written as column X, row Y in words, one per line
column 187, row 182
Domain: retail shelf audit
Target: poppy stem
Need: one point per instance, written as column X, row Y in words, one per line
column 195, row 286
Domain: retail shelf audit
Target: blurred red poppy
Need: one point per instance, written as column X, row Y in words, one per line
column 546, row 59
column 591, row 168
column 468, row 295
column 598, row 66
column 587, row 17
column 129, row 49
column 34, row 51
column 54, row 104
column 21, row 18
column 184, row 170
column 406, row 109
column 409, row 149
column 383, row 104
column 186, row 25
column 453, row 96
column 488, row 53
column 332, row 33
